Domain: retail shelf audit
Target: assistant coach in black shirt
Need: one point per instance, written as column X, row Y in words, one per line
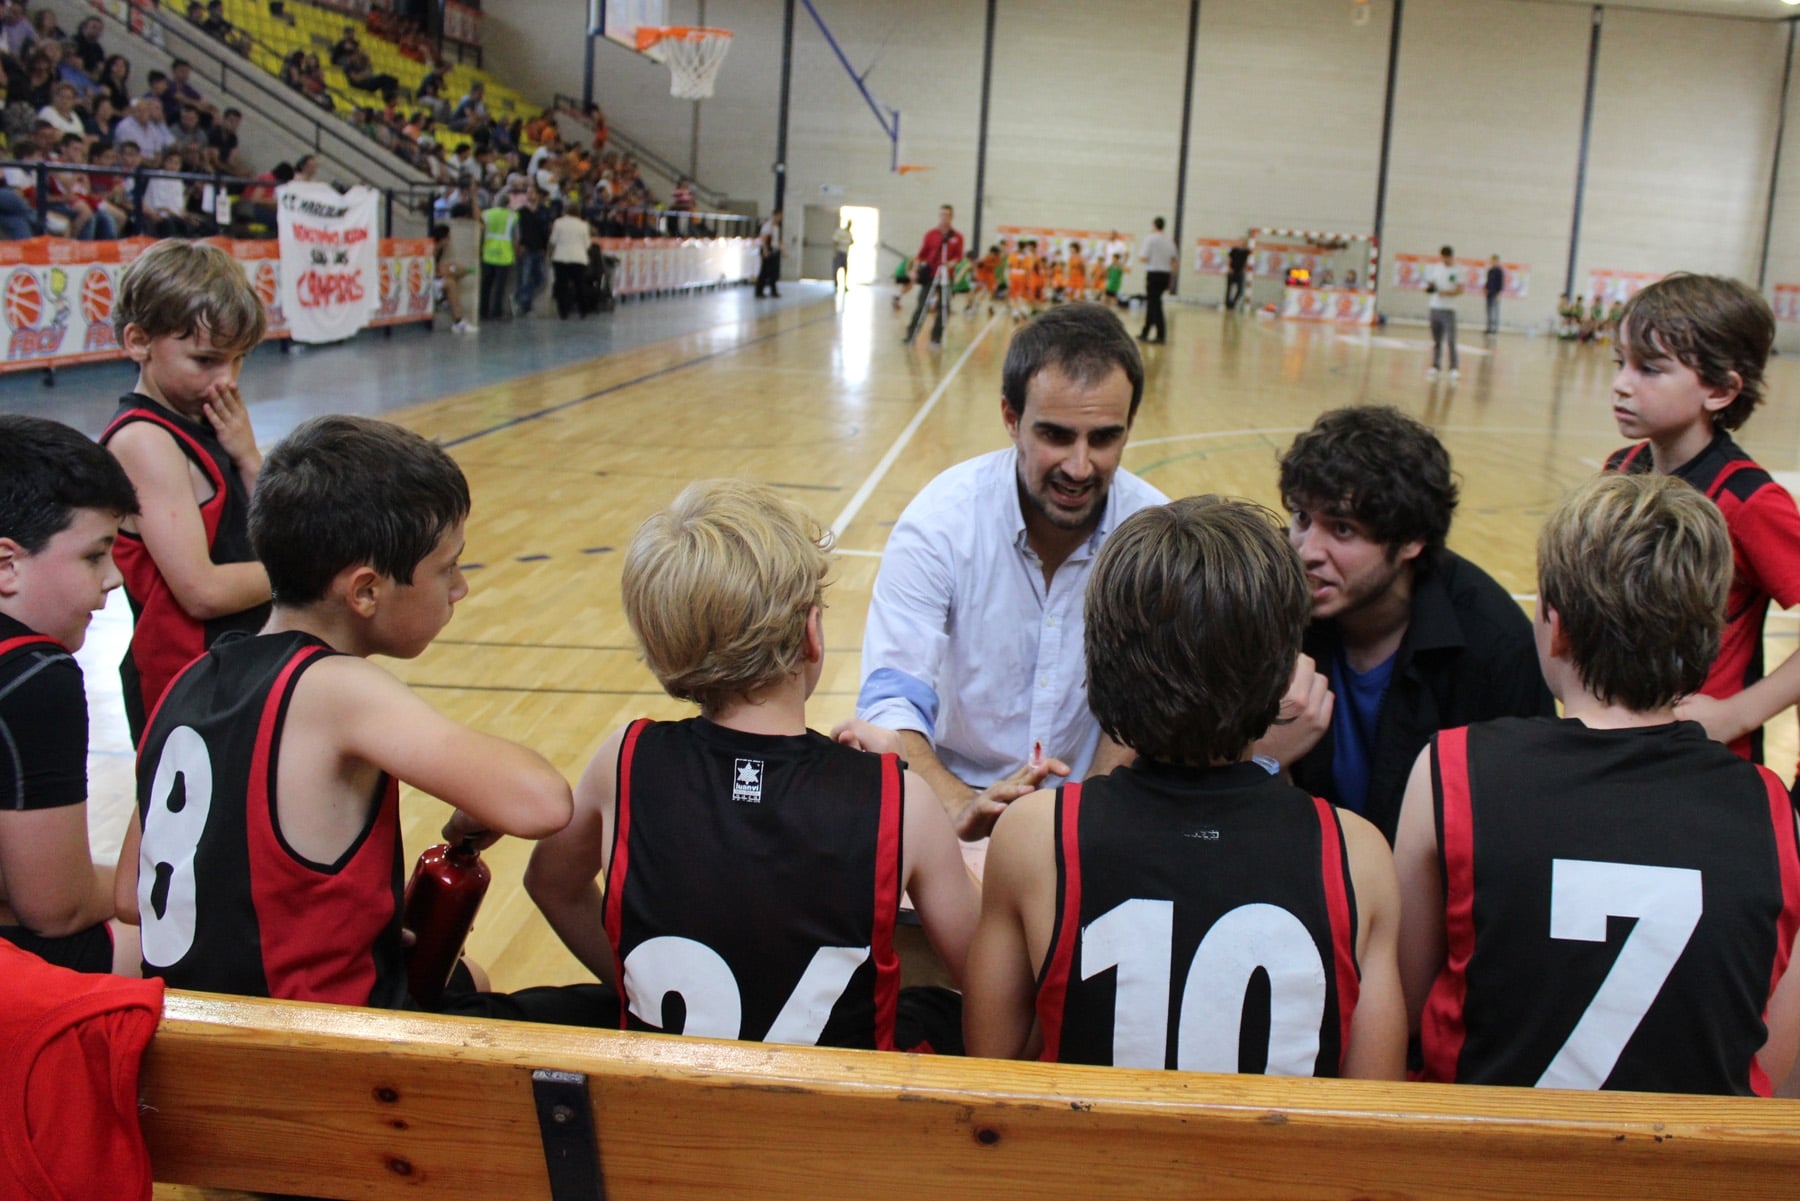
column 1407, row 637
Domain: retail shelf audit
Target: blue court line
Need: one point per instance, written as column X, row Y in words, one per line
column 630, row 383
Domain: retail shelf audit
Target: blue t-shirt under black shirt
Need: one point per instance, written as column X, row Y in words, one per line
column 1353, row 722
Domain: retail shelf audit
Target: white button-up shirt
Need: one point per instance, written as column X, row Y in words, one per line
column 965, row 644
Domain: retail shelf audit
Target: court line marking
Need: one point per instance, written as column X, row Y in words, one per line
column 510, row 422
column 875, row 477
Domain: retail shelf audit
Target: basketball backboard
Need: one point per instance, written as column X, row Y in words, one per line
column 618, row 20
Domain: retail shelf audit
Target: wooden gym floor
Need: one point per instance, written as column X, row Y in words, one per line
column 814, row 398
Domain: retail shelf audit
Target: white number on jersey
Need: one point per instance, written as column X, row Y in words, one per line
column 670, row 964
column 1137, row 938
column 180, row 800
column 1583, row 894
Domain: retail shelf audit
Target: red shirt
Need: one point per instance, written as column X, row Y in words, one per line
column 939, row 249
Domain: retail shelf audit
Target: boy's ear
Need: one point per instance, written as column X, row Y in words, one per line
column 812, row 646
column 1559, row 641
column 360, row 586
column 1720, row 397
column 136, row 342
column 10, row 554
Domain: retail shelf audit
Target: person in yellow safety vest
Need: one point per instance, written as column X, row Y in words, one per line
column 499, row 248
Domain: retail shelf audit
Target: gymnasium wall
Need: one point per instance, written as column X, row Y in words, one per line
column 1084, row 125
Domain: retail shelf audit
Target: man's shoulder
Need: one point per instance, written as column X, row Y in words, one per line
column 1487, row 612
column 948, row 498
column 1135, row 492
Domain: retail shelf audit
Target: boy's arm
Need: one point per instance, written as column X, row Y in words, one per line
column 125, row 876
column 1765, row 530
column 1377, row 1049
column 1422, row 948
column 371, row 716
column 173, row 531
column 563, row 877
column 53, row 887
column 936, row 878
column 1779, row 1054
column 1000, row 986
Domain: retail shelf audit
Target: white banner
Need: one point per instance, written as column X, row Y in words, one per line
column 330, row 259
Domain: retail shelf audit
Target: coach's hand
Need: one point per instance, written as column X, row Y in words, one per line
column 1304, row 718
column 977, row 818
column 877, row 740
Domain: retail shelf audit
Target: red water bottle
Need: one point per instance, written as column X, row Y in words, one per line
column 441, row 900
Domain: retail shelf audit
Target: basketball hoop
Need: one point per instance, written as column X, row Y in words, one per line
column 694, row 54
column 909, row 168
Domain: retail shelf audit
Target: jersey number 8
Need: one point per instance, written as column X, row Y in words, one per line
column 180, row 800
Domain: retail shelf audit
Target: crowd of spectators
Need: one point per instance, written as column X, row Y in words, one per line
column 68, row 102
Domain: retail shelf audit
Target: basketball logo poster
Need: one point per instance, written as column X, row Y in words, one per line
column 56, row 296
column 330, row 265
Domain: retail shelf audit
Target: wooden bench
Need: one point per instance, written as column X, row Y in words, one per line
column 349, row 1103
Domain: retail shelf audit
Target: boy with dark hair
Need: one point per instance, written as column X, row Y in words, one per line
column 1407, row 638
column 1193, row 855
column 61, row 500
column 269, row 858
column 1690, row 354
column 1522, row 839
column 752, row 866
column 187, row 317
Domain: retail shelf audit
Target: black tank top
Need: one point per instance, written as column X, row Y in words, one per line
column 1618, row 907
column 163, row 637
column 227, row 906
column 754, row 884
column 1205, row 921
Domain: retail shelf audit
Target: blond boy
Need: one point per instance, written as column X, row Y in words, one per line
column 753, row 867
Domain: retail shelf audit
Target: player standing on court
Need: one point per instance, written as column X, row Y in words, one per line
column 1443, row 282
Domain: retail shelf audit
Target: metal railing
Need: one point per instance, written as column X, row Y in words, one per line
column 660, row 222
column 254, row 88
column 414, row 199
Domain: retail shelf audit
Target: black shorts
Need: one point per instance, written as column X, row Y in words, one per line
column 928, row 1021
column 89, row 950
column 592, row 1005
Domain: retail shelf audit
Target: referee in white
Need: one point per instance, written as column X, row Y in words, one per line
column 1159, row 255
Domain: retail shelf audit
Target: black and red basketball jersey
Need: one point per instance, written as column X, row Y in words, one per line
column 1205, row 921
column 754, row 884
column 164, row 639
column 1765, row 553
column 1618, row 907
column 226, row 905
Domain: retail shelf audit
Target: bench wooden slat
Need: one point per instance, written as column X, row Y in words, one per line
column 347, row 1103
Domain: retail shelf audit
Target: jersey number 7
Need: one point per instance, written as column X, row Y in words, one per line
column 1583, row 893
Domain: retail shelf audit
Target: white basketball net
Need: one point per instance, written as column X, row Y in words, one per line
column 694, row 56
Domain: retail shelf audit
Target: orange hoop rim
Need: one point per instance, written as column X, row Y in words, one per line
column 651, row 35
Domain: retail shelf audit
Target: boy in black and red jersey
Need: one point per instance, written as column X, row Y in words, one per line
column 187, row 317
column 265, row 859
column 1126, row 920
column 1691, row 352
column 1521, row 840
column 753, row 866
column 61, row 501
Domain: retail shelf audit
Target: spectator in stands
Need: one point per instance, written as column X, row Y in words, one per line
column 431, row 98
column 166, row 212
column 362, row 76
column 182, row 95
column 114, row 189
column 257, row 207
column 86, row 46
column 115, row 82
column 46, row 137
column 191, row 141
column 100, row 122
column 598, row 117
column 471, row 110
column 18, row 213
column 60, row 112
column 65, row 68
column 40, row 78
column 144, row 125
column 71, row 200
column 446, row 285
column 345, row 47
column 15, row 29
column 215, row 25
column 224, row 138
column 312, row 82
column 307, row 169
column 681, row 203
column 44, row 27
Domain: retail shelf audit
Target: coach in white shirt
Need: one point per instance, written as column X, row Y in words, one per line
column 1159, row 255
column 1443, row 282
column 973, row 649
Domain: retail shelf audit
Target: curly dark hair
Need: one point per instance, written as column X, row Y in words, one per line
column 1716, row 326
column 1376, row 464
column 1194, row 614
